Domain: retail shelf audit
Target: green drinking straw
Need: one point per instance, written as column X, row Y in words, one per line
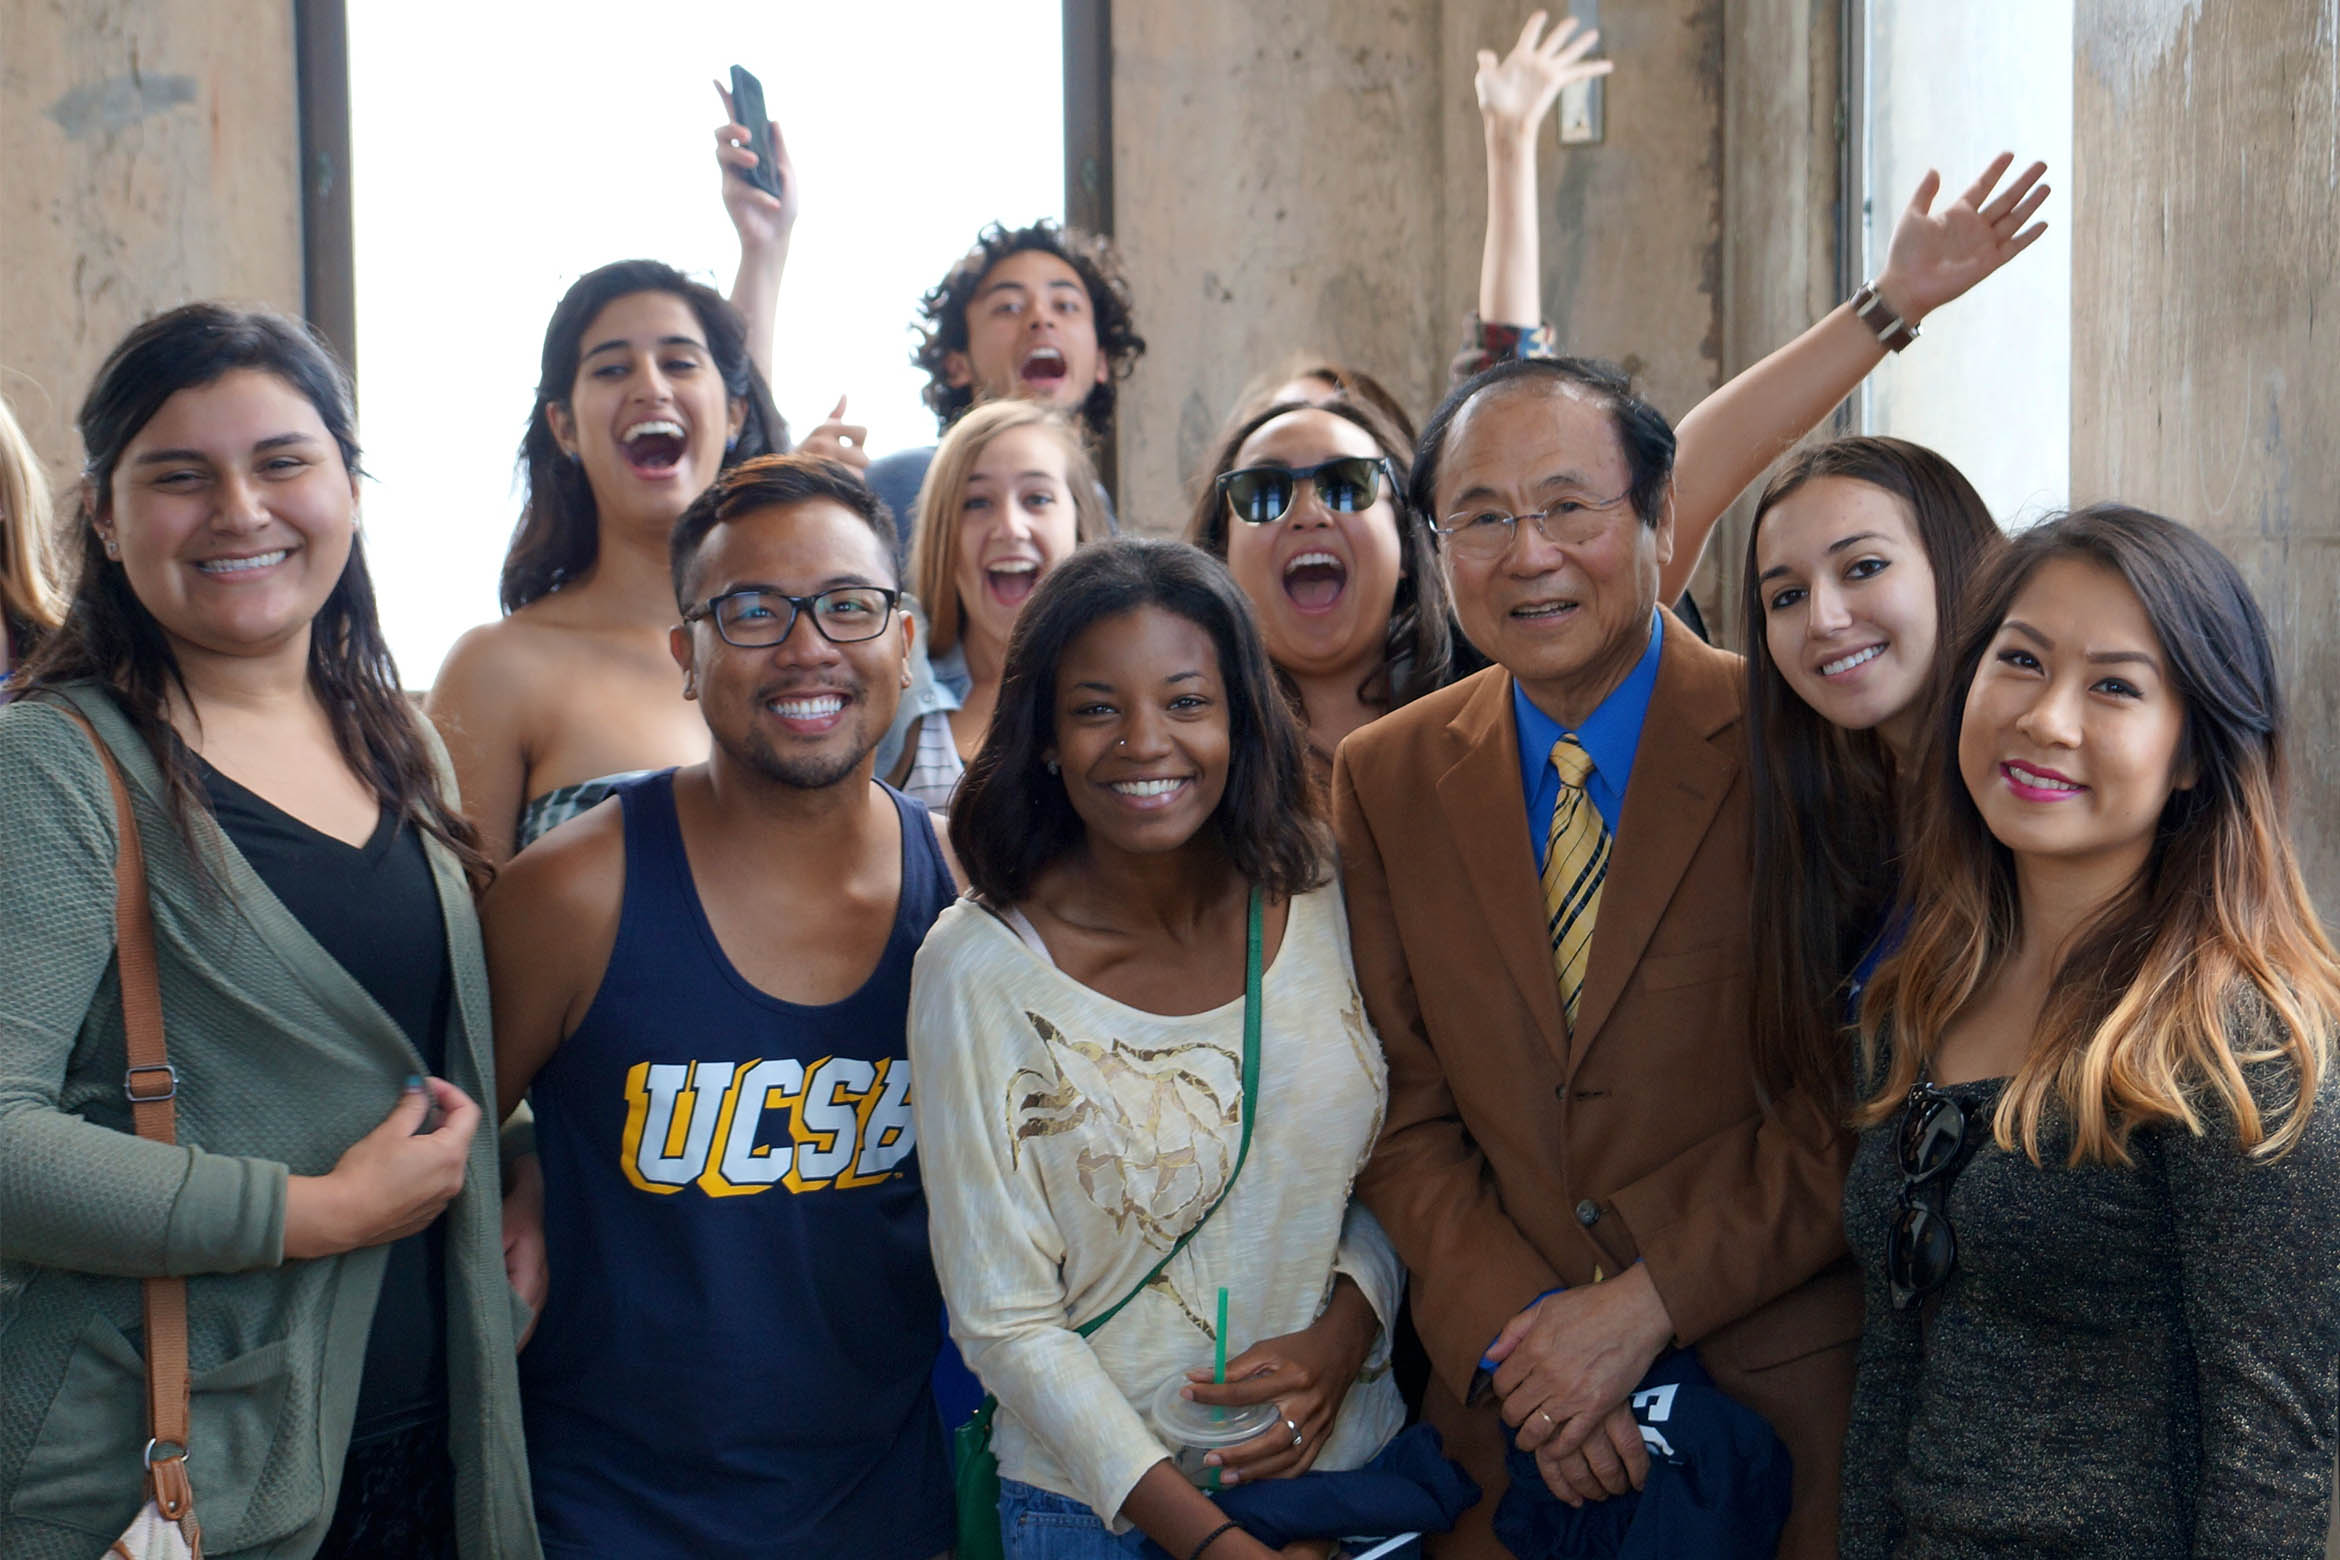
column 1219, row 1367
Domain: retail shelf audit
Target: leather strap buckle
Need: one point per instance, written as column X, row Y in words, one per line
column 1874, row 312
column 130, row 1087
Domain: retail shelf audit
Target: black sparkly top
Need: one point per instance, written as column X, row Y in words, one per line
column 2136, row 1363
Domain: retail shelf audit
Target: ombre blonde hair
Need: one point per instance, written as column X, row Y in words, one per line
column 2213, row 965
column 32, row 589
column 934, row 552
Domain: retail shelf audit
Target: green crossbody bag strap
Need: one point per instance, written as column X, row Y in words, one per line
column 974, row 1437
column 1251, row 967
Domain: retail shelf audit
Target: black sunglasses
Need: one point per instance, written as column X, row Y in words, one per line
column 1921, row 1249
column 1262, row 495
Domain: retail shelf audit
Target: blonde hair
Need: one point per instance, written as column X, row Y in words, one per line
column 934, row 553
column 32, row 590
column 2212, row 968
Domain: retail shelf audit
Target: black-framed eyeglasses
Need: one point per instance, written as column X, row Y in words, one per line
column 1921, row 1249
column 755, row 620
column 1569, row 520
column 1262, row 495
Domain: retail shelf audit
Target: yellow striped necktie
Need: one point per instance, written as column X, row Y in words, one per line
column 1576, row 860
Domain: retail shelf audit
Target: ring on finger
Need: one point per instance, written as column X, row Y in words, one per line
column 1299, row 1436
column 1545, row 1415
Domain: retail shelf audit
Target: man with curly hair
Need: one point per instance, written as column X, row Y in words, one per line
column 1039, row 312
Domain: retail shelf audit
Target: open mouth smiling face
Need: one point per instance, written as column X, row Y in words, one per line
column 1044, row 369
column 1016, row 522
column 1322, row 577
column 654, row 447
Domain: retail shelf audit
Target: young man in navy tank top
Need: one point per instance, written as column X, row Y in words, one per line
column 702, row 990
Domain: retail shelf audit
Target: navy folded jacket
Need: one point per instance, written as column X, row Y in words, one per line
column 1718, row 1489
column 1409, row 1488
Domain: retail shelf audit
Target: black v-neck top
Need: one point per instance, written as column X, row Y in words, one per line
column 375, row 909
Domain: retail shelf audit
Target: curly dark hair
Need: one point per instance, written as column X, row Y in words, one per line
column 942, row 327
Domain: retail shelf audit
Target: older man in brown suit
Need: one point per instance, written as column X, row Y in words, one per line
column 1548, row 890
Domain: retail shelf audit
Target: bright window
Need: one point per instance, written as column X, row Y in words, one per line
column 500, row 151
column 1989, row 384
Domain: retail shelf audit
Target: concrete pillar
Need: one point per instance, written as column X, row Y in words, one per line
column 152, row 158
column 1311, row 175
column 2205, row 358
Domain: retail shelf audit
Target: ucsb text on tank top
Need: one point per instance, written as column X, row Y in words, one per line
column 734, row 1358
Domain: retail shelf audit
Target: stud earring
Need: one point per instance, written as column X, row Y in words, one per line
column 731, row 444
column 113, row 548
column 1049, row 764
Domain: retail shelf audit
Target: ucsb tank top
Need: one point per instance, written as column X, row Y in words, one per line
column 734, row 1359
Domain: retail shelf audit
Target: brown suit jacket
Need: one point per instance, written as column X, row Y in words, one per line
column 1518, row 1156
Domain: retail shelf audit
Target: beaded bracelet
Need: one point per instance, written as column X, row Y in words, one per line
column 1210, row 1538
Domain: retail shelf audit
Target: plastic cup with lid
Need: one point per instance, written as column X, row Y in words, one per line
column 1195, row 1430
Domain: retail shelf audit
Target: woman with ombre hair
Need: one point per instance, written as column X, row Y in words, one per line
column 2099, row 1149
column 32, row 600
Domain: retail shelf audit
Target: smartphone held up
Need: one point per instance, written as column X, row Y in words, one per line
column 747, row 108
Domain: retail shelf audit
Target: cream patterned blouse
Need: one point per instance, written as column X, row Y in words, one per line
column 1067, row 1141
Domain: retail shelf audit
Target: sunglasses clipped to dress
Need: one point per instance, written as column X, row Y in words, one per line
column 1921, row 1249
column 1262, row 495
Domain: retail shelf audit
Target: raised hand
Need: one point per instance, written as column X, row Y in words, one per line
column 1518, row 90
column 1936, row 256
column 838, row 439
column 762, row 221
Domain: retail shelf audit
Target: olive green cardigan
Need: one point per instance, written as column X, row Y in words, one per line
column 283, row 1061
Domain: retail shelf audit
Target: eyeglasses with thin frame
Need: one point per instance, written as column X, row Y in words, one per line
column 1345, row 485
column 751, row 619
column 1572, row 519
column 1921, row 1249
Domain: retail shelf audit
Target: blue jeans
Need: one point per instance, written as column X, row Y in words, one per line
column 1038, row 1524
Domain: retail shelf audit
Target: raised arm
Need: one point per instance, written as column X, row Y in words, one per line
column 1728, row 439
column 1516, row 94
column 763, row 223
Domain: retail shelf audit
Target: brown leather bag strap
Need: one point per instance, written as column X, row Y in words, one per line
column 151, row 1085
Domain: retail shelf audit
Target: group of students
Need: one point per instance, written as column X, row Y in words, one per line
column 1189, row 971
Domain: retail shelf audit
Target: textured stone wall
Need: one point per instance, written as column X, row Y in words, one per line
column 2205, row 353
column 1311, row 175
column 148, row 155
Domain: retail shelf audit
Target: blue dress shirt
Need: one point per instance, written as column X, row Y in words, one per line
column 1610, row 734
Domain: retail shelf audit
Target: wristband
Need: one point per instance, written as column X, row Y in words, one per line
column 1210, row 1538
column 1878, row 315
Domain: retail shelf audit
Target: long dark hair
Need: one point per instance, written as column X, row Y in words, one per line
column 558, row 538
column 109, row 637
column 1011, row 818
column 2213, row 959
column 1826, row 828
column 1418, row 649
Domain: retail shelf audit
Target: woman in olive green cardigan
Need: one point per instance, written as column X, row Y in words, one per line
column 223, row 642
